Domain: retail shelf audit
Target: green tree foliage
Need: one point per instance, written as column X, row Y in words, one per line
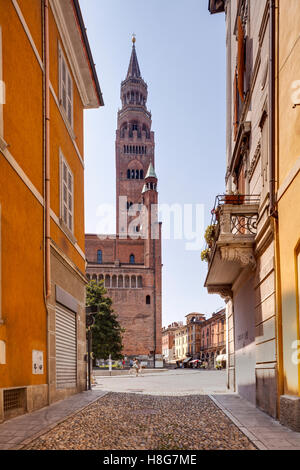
column 106, row 332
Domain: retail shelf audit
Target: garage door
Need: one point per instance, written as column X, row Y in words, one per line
column 66, row 348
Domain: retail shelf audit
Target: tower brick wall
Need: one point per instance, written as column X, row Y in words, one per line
column 131, row 267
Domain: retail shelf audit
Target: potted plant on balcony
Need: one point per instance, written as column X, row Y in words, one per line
column 210, row 234
column 234, row 198
column 205, row 255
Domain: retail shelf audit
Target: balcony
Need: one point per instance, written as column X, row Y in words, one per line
column 232, row 248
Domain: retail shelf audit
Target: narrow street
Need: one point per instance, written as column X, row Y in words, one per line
column 168, row 410
column 128, row 421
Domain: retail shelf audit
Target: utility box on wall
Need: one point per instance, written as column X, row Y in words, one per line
column 37, row 362
column 2, row 352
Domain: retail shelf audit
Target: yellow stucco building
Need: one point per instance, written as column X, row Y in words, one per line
column 287, row 226
column 47, row 79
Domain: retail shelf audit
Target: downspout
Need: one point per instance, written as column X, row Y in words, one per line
column 154, row 298
column 46, row 183
column 47, row 150
column 273, row 72
column 273, row 212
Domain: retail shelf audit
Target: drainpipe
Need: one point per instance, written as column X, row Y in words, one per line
column 154, row 299
column 46, row 147
column 47, row 151
column 273, row 211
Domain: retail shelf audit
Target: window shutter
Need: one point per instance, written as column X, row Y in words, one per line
column 66, row 195
column 69, row 109
column 241, row 59
column 235, row 97
column 65, row 88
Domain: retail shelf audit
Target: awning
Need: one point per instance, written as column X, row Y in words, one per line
column 221, row 357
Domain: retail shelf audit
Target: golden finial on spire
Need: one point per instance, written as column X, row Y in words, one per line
column 133, row 39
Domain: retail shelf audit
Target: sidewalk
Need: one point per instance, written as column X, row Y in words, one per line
column 265, row 432
column 16, row 432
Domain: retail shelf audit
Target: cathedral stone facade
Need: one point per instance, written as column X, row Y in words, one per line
column 129, row 263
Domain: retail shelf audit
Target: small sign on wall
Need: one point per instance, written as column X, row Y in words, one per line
column 2, row 352
column 37, row 362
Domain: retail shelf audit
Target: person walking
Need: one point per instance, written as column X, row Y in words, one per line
column 136, row 366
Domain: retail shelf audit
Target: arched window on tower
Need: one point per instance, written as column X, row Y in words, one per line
column 107, row 280
column 141, row 174
column 99, row 256
column 132, row 259
column 128, row 174
column 148, row 300
column 132, row 174
column 137, row 174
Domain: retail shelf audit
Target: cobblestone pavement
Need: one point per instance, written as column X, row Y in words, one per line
column 124, row 421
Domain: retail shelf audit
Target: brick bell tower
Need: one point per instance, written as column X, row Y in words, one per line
column 130, row 264
column 134, row 141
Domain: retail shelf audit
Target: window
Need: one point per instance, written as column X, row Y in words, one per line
column 65, row 88
column 67, row 193
column 148, row 300
column 132, row 259
column 99, row 256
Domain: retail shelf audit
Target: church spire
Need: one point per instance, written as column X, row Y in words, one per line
column 133, row 69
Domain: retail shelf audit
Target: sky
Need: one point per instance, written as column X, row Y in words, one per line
column 181, row 53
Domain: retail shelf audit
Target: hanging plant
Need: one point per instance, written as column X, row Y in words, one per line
column 205, row 255
column 210, row 234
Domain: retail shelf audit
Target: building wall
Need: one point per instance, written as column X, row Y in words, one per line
column 27, row 320
column 23, row 310
column 288, row 197
column 256, row 182
column 136, row 316
column 245, row 350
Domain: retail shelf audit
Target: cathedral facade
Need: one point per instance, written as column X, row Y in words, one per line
column 129, row 263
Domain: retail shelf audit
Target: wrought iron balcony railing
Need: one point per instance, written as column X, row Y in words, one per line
column 231, row 246
column 234, row 215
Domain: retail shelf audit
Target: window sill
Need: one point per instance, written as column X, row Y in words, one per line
column 67, row 123
column 3, row 144
column 67, row 232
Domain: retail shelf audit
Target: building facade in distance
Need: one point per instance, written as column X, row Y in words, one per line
column 213, row 338
column 200, row 338
column 49, row 79
column 129, row 263
column 168, row 342
column 194, row 324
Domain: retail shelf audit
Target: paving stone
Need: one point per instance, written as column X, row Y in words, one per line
column 121, row 421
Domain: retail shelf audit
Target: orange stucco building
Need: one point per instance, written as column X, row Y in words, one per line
column 47, row 79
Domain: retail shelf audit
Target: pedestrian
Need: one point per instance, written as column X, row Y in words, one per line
column 136, row 366
column 132, row 365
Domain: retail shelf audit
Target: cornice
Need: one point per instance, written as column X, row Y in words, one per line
column 70, row 51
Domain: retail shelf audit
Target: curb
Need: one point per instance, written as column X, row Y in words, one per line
column 53, row 425
column 252, row 438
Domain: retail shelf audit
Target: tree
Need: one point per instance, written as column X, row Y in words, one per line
column 107, row 331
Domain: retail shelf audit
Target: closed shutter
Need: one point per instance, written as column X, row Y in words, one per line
column 66, row 348
column 241, row 59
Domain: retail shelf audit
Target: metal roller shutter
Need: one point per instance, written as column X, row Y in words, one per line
column 66, row 348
